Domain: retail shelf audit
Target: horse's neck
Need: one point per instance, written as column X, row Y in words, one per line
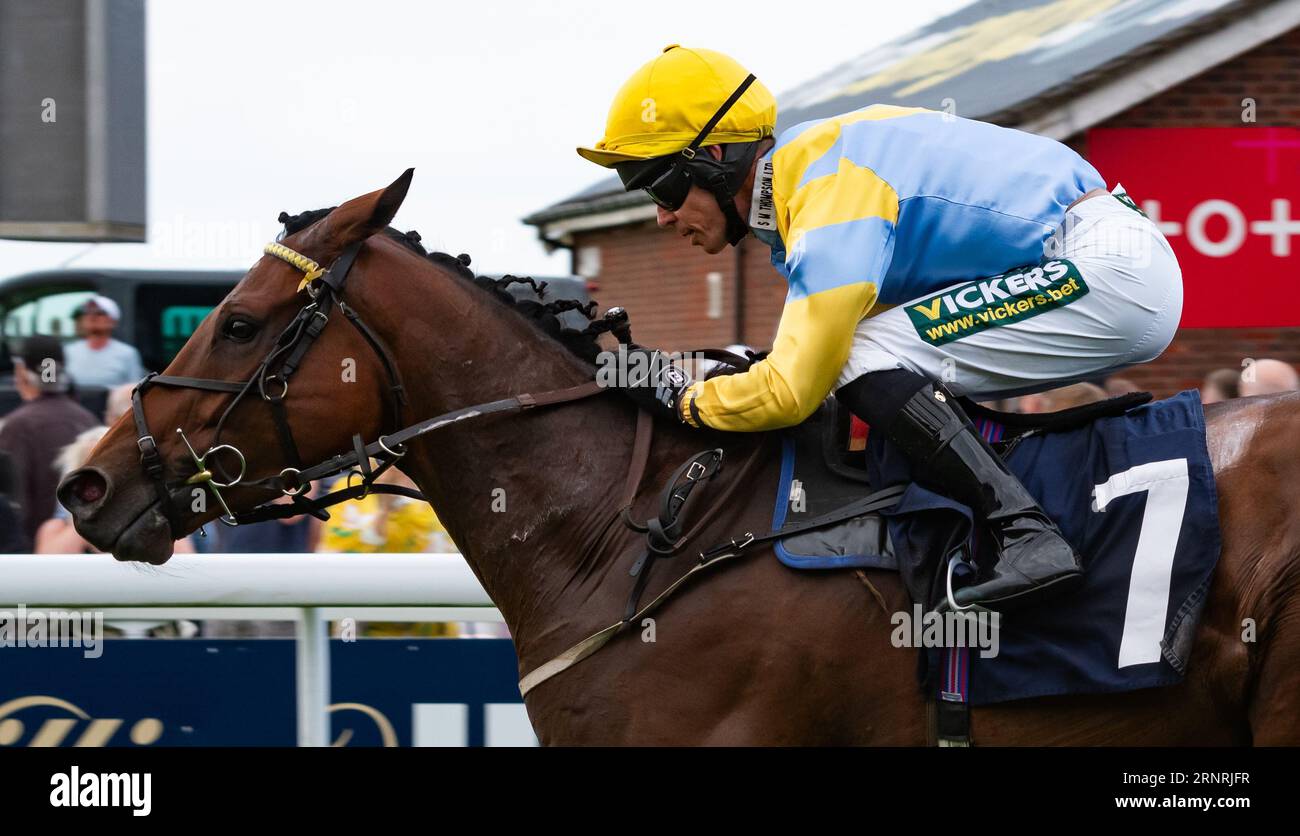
column 531, row 499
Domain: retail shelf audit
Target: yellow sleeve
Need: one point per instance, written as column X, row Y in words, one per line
column 840, row 237
column 812, row 344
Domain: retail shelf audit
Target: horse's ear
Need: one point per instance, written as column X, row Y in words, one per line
column 391, row 200
column 361, row 217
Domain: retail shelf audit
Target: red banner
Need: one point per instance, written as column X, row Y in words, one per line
column 1224, row 198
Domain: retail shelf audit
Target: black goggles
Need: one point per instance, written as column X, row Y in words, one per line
column 668, row 180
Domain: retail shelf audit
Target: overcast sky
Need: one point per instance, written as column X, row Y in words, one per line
column 255, row 107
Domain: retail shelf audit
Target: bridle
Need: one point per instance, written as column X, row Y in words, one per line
column 270, row 382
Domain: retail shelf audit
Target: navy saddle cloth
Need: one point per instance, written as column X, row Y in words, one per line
column 1132, row 490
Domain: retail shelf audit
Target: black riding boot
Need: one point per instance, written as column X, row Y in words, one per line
column 950, row 457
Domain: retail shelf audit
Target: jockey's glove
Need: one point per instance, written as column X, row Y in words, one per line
column 653, row 381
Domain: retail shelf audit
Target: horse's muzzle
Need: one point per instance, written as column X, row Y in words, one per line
column 129, row 525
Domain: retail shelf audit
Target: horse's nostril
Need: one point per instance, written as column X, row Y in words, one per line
column 88, row 487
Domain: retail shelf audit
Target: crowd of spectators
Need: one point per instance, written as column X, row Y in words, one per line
column 51, row 433
column 1255, row 377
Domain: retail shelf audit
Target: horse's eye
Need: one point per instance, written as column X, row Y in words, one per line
column 239, row 330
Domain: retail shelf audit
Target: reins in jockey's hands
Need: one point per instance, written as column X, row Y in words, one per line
column 654, row 381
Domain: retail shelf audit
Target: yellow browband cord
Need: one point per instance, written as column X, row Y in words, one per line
column 311, row 270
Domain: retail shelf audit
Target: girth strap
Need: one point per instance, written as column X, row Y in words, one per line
column 595, row 642
column 734, row 548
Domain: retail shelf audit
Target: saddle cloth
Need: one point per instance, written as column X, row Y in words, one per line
column 1132, row 492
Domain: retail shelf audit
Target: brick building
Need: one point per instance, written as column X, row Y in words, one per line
column 1132, row 85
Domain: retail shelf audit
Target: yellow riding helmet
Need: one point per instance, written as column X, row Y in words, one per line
column 666, row 103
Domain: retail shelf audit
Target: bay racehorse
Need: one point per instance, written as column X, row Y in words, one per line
column 748, row 653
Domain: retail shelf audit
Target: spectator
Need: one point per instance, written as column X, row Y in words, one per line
column 383, row 522
column 11, row 526
column 1116, row 386
column 97, row 359
column 34, row 433
column 1266, row 377
column 1220, row 385
column 57, row 534
column 388, row 523
column 294, row 535
column 118, row 403
column 1054, row 400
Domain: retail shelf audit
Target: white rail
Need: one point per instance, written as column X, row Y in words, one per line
column 311, row 589
column 233, row 580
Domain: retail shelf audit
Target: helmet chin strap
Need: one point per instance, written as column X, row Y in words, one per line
column 737, row 227
column 724, row 180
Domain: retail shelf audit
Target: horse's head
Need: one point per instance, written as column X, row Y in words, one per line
column 281, row 403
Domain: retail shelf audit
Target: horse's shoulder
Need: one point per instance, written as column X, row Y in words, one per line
column 1253, row 428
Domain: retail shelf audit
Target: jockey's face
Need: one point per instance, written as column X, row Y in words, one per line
column 699, row 219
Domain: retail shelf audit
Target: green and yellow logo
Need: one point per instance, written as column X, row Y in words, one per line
column 1000, row 300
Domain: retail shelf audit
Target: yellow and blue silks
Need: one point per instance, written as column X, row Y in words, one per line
column 876, row 207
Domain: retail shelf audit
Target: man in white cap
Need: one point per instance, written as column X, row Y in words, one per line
column 97, row 359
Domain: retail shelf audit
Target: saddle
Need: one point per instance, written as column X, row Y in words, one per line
column 825, row 468
column 827, row 515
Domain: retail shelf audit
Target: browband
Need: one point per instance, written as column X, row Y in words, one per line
column 311, row 270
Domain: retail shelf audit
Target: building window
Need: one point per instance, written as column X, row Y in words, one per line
column 588, row 262
column 714, row 281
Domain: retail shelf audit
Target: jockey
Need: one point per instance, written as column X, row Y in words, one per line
column 926, row 255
